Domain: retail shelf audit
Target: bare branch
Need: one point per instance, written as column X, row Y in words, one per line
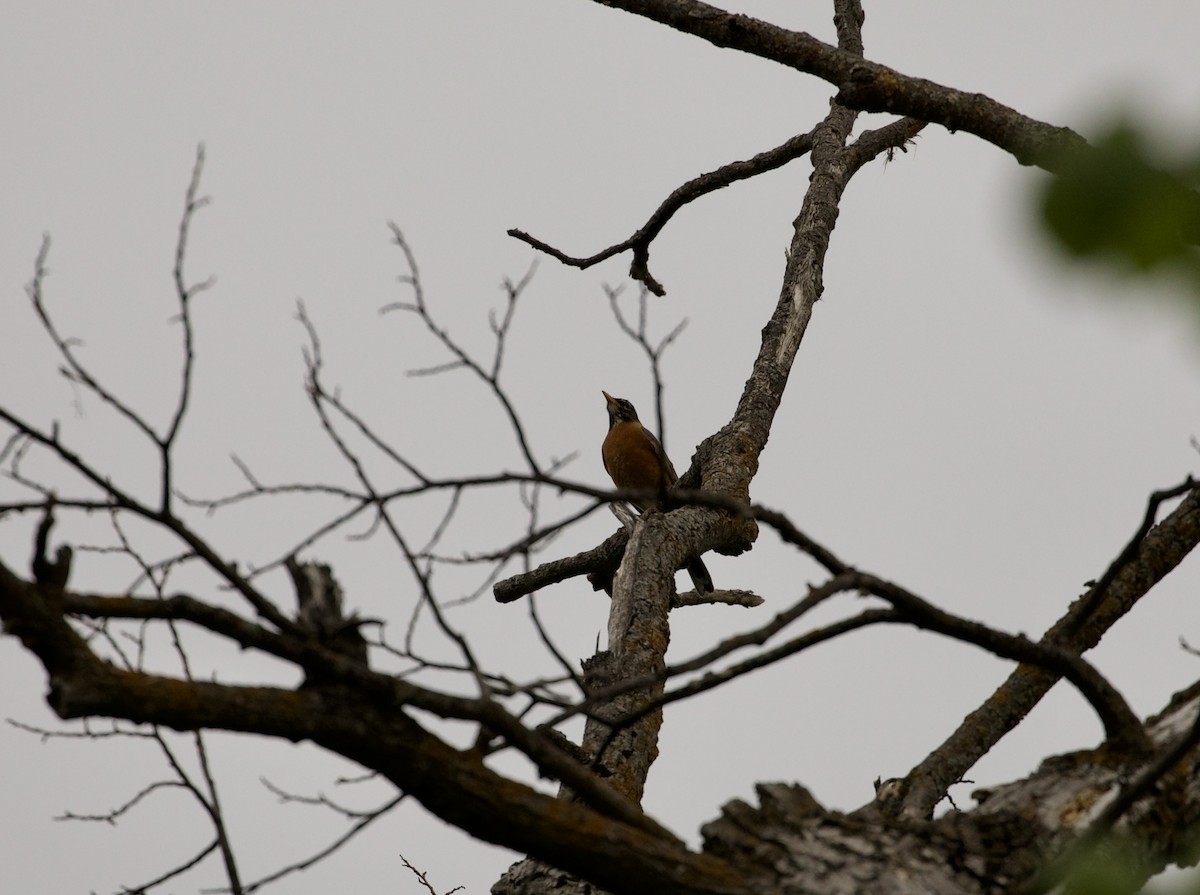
column 653, row 353
column 184, row 293
column 425, row 880
column 723, row 597
column 169, row 875
column 111, row 817
column 548, row 642
column 639, row 242
column 886, row 140
column 73, row 368
column 317, row 391
column 1083, row 611
column 87, row 732
column 500, row 330
column 361, row 820
column 122, row 500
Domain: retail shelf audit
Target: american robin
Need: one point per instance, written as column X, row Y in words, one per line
column 634, row 458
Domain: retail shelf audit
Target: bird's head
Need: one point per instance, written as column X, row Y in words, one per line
column 619, row 410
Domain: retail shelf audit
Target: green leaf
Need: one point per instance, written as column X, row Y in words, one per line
column 1118, row 203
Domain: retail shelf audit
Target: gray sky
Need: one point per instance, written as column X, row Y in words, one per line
column 968, row 417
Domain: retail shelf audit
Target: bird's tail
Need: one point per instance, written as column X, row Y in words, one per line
column 701, row 580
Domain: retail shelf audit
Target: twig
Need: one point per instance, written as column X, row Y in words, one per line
column 1082, row 612
column 653, row 353
column 425, row 880
column 491, row 377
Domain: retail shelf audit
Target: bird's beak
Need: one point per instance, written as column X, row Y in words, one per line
column 608, row 398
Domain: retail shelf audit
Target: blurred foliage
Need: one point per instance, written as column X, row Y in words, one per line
column 1105, row 872
column 1127, row 204
column 1108, row 869
column 1111, row 868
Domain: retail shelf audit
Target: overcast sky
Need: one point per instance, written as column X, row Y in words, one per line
column 968, row 416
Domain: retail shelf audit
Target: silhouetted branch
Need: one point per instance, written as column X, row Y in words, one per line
column 428, row 886
column 360, row 821
column 639, row 242
column 115, row 814
column 1083, row 610
column 185, row 293
column 641, row 338
column 490, row 376
column 121, row 500
column 177, row 870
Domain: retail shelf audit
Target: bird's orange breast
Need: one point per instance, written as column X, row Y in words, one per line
column 631, row 458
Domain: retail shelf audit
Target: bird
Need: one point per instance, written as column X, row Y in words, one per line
column 634, row 458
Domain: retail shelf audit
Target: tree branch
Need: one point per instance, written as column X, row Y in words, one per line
column 697, row 187
column 1161, row 550
column 455, row 785
column 864, row 85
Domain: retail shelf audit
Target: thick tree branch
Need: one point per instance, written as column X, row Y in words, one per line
column 379, row 735
column 455, row 785
column 863, row 85
column 34, row 618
